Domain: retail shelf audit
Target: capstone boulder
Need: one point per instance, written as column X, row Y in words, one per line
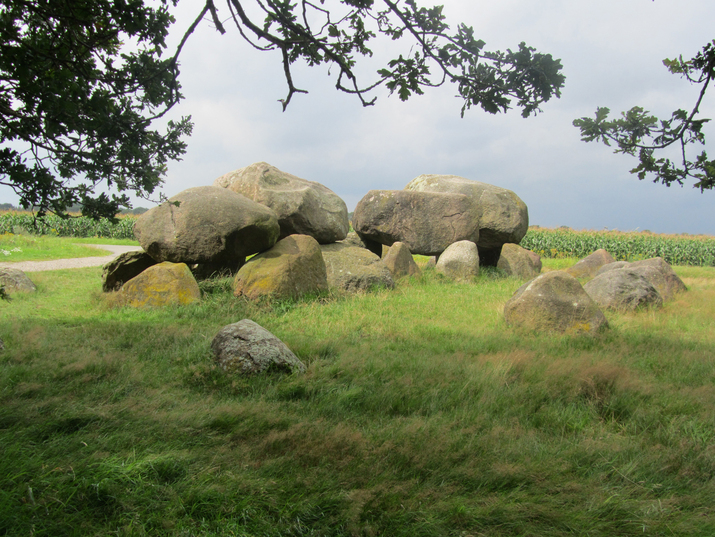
column 247, row 348
column 303, row 207
column 503, row 216
column 207, row 224
column 554, row 302
column 426, row 222
column 293, row 267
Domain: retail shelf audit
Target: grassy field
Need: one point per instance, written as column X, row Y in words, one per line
column 26, row 247
column 421, row 414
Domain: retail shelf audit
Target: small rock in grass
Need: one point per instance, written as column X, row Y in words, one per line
column 247, row 348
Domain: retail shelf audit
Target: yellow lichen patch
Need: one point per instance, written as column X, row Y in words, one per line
column 161, row 285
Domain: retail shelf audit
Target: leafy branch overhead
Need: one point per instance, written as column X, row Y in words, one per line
column 309, row 32
column 640, row 134
column 82, row 83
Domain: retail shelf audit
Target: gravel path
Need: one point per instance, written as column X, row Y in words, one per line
column 79, row 262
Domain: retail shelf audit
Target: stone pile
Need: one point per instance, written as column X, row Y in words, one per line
column 295, row 233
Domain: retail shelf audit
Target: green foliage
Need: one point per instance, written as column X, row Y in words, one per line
column 84, row 80
column 76, row 105
column 121, row 228
column 637, row 133
column 566, row 243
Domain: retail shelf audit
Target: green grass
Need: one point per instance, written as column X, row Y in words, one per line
column 25, row 247
column 421, row 414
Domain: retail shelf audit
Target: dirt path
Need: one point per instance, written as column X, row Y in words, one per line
column 79, row 262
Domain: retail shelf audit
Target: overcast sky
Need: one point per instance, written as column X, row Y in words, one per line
column 611, row 51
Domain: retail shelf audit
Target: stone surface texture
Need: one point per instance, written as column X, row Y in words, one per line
column 519, row 262
column 293, row 267
column 247, row 348
column 14, row 280
column 303, row 207
column 164, row 284
column 123, row 268
column 459, row 262
column 207, row 224
column 612, row 266
column 622, row 290
column 352, row 268
column 426, row 222
column 399, row 261
column 503, row 216
column 661, row 275
column 589, row 265
column 554, row 302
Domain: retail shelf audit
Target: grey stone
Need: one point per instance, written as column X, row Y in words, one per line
column 427, row 222
column 14, row 280
column 612, row 266
column 293, row 267
column 661, row 275
column 352, row 268
column 503, row 216
column 623, row 290
column 163, row 284
column 519, row 262
column 123, row 268
column 459, row 262
column 399, row 261
column 554, row 302
column 589, row 265
column 303, row 207
column 247, row 348
column 207, row 224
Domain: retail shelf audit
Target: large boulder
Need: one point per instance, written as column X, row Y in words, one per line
column 14, row 280
column 623, row 290
column 590, row 265
column 247, row 348
column 123, row 268
column 164, row 284
column 399, row 261
column 352, row 268
column 459, row 262
column 661, row 275
column 519, row 262
column 293, row 267
column 503, row 216
column 427, row 222
column 207, row 224
column 303, row 207
column 612, row 266
column 554, row 302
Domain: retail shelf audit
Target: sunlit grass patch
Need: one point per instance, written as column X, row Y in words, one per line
column 421, row 413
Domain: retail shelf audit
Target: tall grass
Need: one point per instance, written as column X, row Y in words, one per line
column 421, row 413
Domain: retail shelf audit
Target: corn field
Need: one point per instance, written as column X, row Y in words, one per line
column 676, row 250
column 74, row 226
